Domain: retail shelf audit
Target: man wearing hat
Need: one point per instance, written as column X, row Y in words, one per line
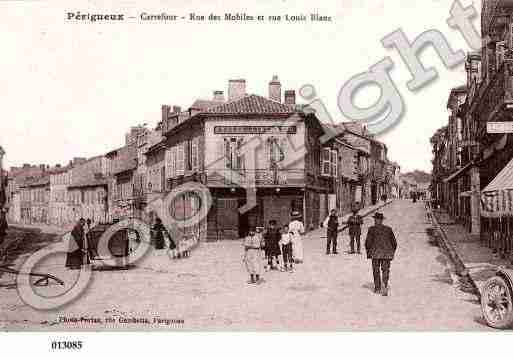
column 380, row 245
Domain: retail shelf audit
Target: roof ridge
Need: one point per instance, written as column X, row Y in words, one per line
column 229, row 102
column 281, row 106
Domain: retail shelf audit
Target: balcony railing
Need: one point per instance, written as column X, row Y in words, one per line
column 258, row 177
column 493, row 96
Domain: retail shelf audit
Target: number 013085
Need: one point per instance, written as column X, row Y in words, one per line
column 67, row 345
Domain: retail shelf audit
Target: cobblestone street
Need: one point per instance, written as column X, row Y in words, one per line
column 209, row 290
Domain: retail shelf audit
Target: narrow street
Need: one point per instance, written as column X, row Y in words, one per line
column 209, row 290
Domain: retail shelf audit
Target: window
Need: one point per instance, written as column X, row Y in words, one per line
column 180, row 160
column 188, row 155
column 233, row 152
column 334, row 163
column 275, row 151
column 171, row 162
column 500, row 52
column 191, row 154
column 195, row 154
column 162, row 179
column 326, row 167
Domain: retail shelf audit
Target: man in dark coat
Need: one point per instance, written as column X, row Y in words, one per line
column 159, row 230
column 380, row 245
column 332, row 232
column 3, row 224
column 75, row 256
column 354, row 223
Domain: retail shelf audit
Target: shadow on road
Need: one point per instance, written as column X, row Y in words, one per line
column 369, row 286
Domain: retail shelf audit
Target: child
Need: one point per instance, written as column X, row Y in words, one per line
column 286, row 249
column 173, row 249
column 253, row 256
column 272, row 246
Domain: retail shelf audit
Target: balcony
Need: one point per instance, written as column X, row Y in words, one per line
column 495, row 101
column 259, row 177
column 495, row 16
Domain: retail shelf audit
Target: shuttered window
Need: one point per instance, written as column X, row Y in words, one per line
column 326, row 168
column 240, row 163
column 195, row 154
column 334, row 163
column 180, row 159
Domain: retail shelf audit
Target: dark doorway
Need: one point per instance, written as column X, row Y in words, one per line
column 374, row 193
column 243, row 219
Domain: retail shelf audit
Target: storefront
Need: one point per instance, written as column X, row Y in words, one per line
column 226, row 222
column 497, row 212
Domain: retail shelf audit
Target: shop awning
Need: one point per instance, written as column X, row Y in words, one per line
column 457, row 173
column 497, row 197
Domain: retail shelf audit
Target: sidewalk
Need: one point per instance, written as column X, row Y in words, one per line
column 477, row 260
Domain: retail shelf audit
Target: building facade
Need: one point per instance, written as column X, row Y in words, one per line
column 58, row 207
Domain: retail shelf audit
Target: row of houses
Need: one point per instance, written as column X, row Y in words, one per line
column 270, row 145
column 473, row 153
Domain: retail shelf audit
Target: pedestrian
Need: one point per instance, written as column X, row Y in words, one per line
column 354, row 223
column 75, row 255
column 272, row 246
column 3, row 224
column 87, row 238
column 331, row 232
column 253, row 256
column 158, row 233
column 297, row 229
column 286, row 249
column 173, row 248
column 380, row 245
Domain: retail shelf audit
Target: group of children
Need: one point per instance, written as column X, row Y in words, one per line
column 276, row 244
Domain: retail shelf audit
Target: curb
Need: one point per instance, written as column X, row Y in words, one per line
column 461, row 270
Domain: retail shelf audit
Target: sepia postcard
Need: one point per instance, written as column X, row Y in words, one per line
column 280, row 165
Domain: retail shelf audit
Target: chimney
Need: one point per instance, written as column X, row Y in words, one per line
column 165, row 113
column 275, row 89
column 218, row 96
column 177, row 109
column 290, row 97
column 236, row 89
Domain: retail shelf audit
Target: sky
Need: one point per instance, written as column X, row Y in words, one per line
column 72, row 89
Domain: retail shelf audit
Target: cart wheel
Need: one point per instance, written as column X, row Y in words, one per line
column 496, row 303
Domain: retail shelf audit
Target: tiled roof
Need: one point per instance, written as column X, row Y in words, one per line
column 126, row 160
column 89, row 182
column 37, row 182
column 252, row 104
column 156, row 147
column 204, row 104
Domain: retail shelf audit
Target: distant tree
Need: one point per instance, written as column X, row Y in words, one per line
column 419, row 176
